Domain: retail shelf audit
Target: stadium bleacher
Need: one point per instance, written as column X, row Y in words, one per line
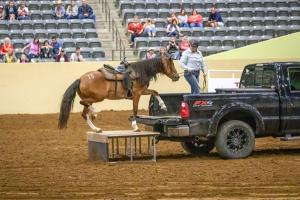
column 246, row 21
column 43, row 25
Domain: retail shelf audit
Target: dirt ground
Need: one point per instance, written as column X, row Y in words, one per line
column 39, row 162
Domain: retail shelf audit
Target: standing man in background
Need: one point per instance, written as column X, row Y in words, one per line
column 192, row 62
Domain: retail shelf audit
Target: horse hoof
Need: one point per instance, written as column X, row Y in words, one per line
column 98, row 130
column 137, row 130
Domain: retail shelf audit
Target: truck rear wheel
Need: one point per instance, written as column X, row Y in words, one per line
column 235, row 139
column 198, row 147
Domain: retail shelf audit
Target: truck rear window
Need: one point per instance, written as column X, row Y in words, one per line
column 258, row 77
column 294, row 76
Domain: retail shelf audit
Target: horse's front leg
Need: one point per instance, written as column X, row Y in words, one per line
column 135, row 101
column 161, row 103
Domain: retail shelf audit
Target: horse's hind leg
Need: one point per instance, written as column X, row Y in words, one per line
column 87, row 112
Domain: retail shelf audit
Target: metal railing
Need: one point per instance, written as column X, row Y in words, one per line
column 112, row 26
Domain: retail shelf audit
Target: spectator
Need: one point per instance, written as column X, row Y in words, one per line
column 184, row 44
column 183, row 19
column 150, row 54
column 56, row 46
column 23, row 12
column 149, row 28
column 24, row 59
column 34, row 48
column 59, row 10
column 173, row 17
column 85, row 11
column 72, row 10
column 173, row 29
column 215, row 18
column 2, row 13
column 135, row 28
column 62, row 57
column 195, row 20
column 173, row 48
column 46, row 50
column 10, row 57
column 77, row 57
column 6, row 46
column 192, row 62
column 162, row 51
column 11, row 11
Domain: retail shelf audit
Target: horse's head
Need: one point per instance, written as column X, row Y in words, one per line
column 169, row 68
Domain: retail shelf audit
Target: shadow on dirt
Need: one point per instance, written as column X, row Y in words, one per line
column 214, row 155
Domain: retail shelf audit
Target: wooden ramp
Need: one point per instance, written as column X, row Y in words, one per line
column 112, row 146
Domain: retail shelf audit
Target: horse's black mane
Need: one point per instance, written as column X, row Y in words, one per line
column 147, row 70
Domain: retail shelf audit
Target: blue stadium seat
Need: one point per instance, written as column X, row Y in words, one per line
column 18, row 43
column 40, row 33
column 38, row 24
column 94, row 42
column 68, row 43
column 14, row 25
column 141, row 42
column 88, row 24
column 27, row 34
column 139, row 4
column 151, row 4
column 3, row 25
column 163, row 4
column 62, row 24
column 81, row 42
column 77, row 33
column 50, row 24
column 91, row 33
column 26, row 24
column 75, row 23
column 64, row 33
column 98, row 52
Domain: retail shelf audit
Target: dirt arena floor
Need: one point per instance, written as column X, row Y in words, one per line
column 39, row 162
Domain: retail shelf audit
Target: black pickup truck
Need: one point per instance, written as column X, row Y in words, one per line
column 267, row 103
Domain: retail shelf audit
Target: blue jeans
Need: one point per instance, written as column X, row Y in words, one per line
column 196, row 25
column 175, row 55
column 172, row 34
column 183, row 24
column 193, row 79
column 88, row 17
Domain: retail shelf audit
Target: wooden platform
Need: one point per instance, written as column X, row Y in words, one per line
column 114, row 145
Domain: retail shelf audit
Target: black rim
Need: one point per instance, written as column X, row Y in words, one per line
column 237, row 140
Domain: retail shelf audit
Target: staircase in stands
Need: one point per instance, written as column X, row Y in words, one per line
column 105, row 34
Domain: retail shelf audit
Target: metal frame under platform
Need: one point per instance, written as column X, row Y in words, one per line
column 112, row 146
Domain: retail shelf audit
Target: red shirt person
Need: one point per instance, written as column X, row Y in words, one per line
column 195, row 20
column 135, row 28
column 5, row 47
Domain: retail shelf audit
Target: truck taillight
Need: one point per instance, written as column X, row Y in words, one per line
column 185, row 111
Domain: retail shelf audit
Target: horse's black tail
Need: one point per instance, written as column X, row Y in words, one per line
column 67, row 104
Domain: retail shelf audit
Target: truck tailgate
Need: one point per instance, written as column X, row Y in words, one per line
column 158, row 120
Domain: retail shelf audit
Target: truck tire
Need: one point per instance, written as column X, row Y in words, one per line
column 198, row 147
column 235, row 139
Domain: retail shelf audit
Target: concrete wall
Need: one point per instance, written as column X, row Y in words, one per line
column 37, row 88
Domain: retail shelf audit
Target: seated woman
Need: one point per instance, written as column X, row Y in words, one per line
column 2, row 13
column 34, row 48
column 183, row 19
column 24, row 59
column 5, row 47
column 72, row 10
column 46, row 50
column 149, row 28
column 62, row 57
column 59, row 10
column 23, row 12
column 195, row 20
column 10, row 57
column 173, row 17
column 173, row 49
column 173, row 29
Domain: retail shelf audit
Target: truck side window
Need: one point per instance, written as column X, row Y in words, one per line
column 294, row 76
column 268, row 78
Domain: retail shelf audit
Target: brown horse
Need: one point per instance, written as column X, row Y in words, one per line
column 94, row 87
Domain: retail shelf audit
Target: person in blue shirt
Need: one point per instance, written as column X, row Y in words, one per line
column 56, row 47
column 192, row 63
column 215, row 18
column 85, row 11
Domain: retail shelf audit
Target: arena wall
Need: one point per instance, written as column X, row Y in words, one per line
column 37, row 88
